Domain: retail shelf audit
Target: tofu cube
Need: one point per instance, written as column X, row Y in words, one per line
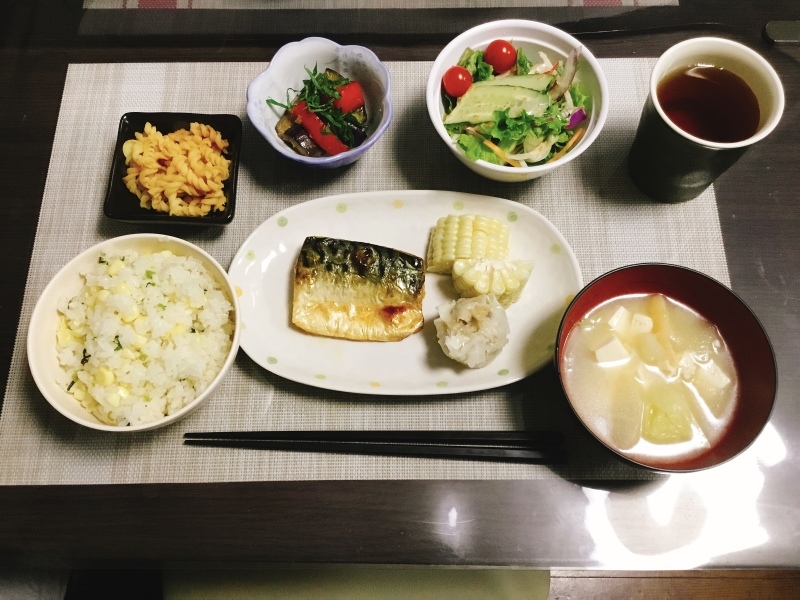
column 641, row 323
column 620, row 320
column 611, row 352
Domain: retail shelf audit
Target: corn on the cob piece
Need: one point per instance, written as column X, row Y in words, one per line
column 503, row 278
column 465, row 236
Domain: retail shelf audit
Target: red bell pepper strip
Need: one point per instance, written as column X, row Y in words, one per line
column 351, row 97
column 316, row 130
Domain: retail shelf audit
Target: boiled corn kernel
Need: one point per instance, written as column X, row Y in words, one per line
column 122, row 288
column 505, row 279
column 465, row 236
column 115, row 267
column 130, row 315
column 65, row 335
column 104, row 376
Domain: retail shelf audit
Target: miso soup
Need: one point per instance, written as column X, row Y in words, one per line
column 651, row 378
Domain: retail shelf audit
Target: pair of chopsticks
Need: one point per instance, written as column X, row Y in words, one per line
column 508, row 446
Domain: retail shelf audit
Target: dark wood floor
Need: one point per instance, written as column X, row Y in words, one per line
column 675, row 585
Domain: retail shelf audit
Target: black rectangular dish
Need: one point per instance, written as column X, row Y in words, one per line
column 122, row 205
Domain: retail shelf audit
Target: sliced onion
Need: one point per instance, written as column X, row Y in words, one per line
column 570, row 68
column 576, row 118
column 538, row 153
column 543, row 67
column 569, row 105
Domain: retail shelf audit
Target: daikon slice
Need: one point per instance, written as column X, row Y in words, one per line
column 627, row 412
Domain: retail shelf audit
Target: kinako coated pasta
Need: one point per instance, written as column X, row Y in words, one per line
column 181, row 173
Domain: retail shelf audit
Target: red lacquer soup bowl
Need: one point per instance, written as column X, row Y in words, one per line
column 746, row 339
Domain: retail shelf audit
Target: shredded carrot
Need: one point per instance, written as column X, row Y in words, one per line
column 570, row 143
column 494, row 148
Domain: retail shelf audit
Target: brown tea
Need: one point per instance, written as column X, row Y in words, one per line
column 710, row 103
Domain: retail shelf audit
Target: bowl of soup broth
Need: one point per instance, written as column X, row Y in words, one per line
column 666, row 366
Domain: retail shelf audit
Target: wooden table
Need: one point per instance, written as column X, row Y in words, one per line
column 522, row 523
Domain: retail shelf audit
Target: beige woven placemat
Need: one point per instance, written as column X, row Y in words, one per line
column 605, row 219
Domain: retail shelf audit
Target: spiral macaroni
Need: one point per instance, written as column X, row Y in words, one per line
column 181, row 173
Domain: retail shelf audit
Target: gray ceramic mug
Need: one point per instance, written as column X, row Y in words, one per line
column 671, row 165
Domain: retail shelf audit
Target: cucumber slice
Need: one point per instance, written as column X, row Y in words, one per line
column 480, row 102
column 535, row 81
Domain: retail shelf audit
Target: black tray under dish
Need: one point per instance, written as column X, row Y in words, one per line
column 122, row 205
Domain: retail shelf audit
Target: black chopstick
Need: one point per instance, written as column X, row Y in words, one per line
column 469, row 437
column 512, row 446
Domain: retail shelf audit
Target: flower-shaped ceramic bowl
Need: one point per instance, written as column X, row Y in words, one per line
column 286, row 73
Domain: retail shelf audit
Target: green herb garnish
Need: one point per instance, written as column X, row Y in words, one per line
column 318, row 92
column 119, row 345
column 86, row 357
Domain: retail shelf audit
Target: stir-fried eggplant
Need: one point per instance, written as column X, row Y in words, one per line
column 327, row 117
column 293, row 134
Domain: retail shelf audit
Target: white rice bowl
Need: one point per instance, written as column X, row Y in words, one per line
column 134, row 333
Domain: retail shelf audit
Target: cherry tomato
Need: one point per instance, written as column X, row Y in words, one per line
column 456, row 81
column 500, row 55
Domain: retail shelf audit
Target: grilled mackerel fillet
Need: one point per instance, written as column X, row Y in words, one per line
column 357, row 291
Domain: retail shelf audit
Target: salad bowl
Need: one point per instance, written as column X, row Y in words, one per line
column 533, row 38
column 285, row 74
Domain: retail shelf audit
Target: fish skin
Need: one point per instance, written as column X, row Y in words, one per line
column 357, row 290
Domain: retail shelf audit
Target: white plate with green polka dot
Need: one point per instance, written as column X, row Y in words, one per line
column 262, row 273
